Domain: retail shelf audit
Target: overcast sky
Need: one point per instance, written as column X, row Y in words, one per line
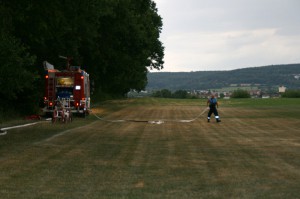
column 201, row 35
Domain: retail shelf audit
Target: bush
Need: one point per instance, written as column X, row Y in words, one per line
column 164, row 93
column 179, row 94
column 240, row 94
column 291, row 94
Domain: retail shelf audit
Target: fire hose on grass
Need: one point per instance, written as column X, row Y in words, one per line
column 152, row 121
column 3, row 131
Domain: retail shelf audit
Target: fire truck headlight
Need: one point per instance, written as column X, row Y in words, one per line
column 77, row 87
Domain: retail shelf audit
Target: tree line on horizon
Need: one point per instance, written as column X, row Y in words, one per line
column 183, row 94
column 274, row 75
column 237, row 93
column 116, row 42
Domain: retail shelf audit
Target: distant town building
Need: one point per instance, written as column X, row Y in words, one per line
column 255, row 93
column 244, row 85
column 282, row 89
column 265, row 96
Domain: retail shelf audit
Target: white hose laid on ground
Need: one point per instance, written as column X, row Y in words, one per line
column 195, row 117
column 152, row 121
column 3, row 131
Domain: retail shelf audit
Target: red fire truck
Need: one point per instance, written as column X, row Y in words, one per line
column 69, row 89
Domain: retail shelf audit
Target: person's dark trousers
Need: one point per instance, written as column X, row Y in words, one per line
column 213, row 109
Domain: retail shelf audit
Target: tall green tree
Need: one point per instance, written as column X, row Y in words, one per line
column 117, row 42
column 130, row 45
column 16, row 77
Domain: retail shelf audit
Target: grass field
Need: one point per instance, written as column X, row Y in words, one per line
column 253, row 153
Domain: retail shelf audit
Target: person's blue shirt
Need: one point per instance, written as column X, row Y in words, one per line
column 213, row 101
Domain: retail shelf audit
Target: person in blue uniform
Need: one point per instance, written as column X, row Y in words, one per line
column 212, row 103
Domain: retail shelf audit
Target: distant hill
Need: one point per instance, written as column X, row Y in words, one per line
column 274, row 75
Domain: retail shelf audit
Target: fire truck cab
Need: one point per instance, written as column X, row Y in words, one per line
column 70, row 89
